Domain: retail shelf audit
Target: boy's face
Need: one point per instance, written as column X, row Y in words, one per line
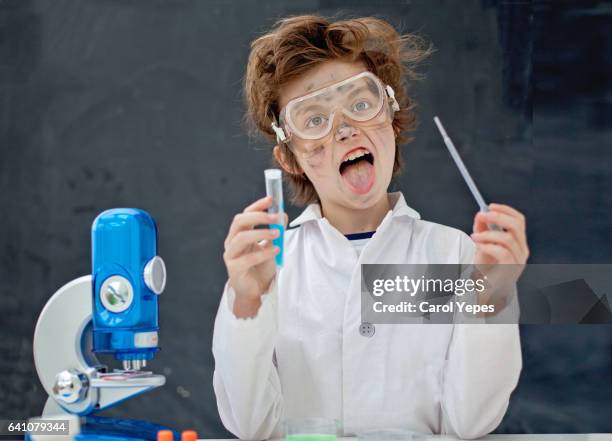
column 358, row 183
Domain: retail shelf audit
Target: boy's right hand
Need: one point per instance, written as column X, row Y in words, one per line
column 249, row 256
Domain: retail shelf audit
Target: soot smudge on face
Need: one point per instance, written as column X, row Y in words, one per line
column 317, row 159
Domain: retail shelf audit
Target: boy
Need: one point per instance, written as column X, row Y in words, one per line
column 292, row 344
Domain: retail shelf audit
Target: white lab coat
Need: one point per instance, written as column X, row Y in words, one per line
column 302, row 355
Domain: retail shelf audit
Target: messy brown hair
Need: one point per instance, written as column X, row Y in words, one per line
column 297, row 44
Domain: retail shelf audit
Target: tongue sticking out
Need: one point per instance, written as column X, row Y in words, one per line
column 359, row 176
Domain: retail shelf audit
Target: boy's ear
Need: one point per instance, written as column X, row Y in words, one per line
column 289, row 165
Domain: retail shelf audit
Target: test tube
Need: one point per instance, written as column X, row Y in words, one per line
column 274, row 188
column 464, row 172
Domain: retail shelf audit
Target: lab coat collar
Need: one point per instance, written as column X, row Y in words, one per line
column 400, row 209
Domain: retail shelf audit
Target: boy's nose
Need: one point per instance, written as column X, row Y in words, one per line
column 345, row 131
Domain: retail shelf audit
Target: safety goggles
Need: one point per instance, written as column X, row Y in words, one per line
column 360, row 98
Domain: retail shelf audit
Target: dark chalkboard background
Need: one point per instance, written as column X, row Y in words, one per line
column 108, row 103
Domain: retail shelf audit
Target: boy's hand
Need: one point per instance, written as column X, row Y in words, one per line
column 508, row 246
column 249, row 256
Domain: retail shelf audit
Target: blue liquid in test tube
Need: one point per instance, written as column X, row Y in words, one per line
column 274, row 188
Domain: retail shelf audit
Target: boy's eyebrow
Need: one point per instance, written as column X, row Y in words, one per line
column 327, row 96
column 299, row 110
column 345, row 87
column 339, row 89
column 359, row 90
column 299, row 106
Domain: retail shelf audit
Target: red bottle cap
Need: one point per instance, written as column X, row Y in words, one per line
column 189, row 435
column 164, row 435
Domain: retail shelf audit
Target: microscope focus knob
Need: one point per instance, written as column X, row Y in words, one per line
column 155, row 275
column 70, row 386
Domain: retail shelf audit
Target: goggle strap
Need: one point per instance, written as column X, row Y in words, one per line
column 394, row 104
column 280, row 133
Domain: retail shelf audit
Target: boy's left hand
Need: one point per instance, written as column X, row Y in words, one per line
column 508, row 246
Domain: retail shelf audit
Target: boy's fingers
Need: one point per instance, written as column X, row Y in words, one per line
column 244, row 239
column 503, row 220
column 243, row 263
column 246, row 221
column 265, row 243
column 508, row 210
column 498, row 252
column 512, row 223
column 500, row 238
column 480, row 224
column 259, row 204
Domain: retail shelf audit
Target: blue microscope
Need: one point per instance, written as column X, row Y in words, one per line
column 114, row 310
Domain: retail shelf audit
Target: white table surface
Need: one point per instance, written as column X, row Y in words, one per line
column 547, row 437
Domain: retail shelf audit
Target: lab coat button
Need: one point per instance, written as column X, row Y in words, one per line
column 367, row 329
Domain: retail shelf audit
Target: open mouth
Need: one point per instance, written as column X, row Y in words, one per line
column 354, row 157
column 357, row 170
